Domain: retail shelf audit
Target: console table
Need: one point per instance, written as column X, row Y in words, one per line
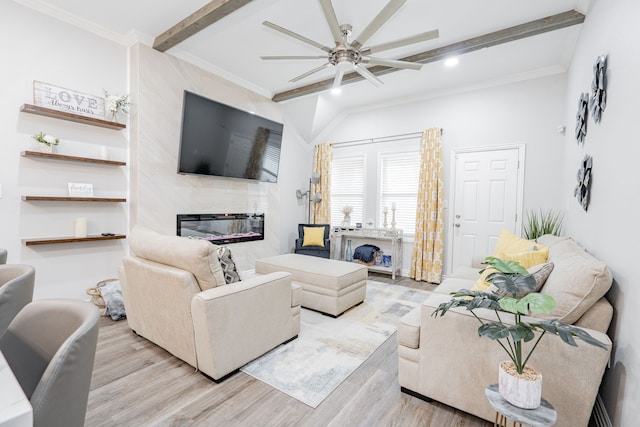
column 15, row 409
column 542, row 416
column 389, row 240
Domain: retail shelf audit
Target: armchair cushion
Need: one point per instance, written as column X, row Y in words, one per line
column 578, row 280
column 196, row 256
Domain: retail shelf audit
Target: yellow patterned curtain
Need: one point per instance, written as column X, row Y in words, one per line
column 322, row 165
column 428, row 248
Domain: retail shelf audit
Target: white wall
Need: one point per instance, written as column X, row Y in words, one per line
column 158, row 193
column 526, row 112
column 37, row 47
column 608, row 228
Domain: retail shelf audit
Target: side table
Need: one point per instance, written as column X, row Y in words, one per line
column 542, row 416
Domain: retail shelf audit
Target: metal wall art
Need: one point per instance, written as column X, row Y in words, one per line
column 582, row 190
column 581, row 117
column 598, row 99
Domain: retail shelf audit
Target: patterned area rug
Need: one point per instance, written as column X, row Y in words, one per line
column 328, row 350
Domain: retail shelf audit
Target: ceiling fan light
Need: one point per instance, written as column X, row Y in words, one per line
column 344, row 66
column 451, row 62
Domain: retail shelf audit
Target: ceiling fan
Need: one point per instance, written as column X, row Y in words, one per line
column 348, row 55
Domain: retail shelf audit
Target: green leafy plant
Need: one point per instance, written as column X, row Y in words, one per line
column 512, row 278
column 544, row 222
column 116, row 103
column 46, row 139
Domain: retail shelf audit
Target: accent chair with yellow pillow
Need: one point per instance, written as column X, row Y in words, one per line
column 313, row 239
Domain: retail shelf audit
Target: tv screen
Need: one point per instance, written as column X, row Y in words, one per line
column 220, row 140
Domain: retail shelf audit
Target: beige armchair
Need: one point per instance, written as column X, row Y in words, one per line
column 175, row 296
column 16, row 291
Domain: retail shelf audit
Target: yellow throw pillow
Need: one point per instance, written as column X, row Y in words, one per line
column 530, row 258
column 509, row 243
column 481, row 284
column 313, row 236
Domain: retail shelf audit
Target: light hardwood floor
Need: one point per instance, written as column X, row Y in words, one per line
column 136, row 383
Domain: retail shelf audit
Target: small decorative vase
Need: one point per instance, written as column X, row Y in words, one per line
column 346, row 221
column 523, row 391
column 45, row 148
column 348, row 252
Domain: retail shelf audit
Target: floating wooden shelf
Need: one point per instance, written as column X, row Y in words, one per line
column 58, row 240
column 48, row 112
column 72, row 199
column 71, row 158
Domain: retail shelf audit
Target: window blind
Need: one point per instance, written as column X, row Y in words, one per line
column 399, row 173
column 347, row 188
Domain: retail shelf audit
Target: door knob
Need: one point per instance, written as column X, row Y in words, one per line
column 457, row 224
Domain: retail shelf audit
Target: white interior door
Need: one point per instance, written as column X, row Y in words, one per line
column 487, row 197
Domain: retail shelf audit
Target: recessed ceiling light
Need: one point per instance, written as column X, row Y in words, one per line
column 451, row 62
column 336, row 91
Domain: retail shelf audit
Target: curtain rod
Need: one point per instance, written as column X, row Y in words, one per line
column 398, row 137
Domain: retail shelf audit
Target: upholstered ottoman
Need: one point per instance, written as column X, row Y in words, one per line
column 328, row 285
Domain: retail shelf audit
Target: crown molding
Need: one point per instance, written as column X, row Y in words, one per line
column 64, row 16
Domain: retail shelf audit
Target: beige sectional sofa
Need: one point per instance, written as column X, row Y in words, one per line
column 175, row 295
column 444, row 358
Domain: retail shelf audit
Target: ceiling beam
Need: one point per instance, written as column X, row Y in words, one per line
column 199, row 20
column 539, row 26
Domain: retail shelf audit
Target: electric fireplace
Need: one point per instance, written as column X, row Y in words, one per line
column 221, row 228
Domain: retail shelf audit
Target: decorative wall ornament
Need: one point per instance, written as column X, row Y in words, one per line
column 582, row 190
column 581, row 117
column 598, row 99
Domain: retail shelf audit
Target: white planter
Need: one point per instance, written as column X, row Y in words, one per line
column 524, row 392
column 44, row 148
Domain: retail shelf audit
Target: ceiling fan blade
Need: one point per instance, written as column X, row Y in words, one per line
column 332, row 20
column 295, row 35
column 394, row 63
column 382, row 17
column 368, row 75
column 308, row 73
column 429, row 35
column 337, row 81
column 269, row 58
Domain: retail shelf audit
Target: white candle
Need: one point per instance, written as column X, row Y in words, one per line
column 385, row 209
column 80, row 227
column 393, row 206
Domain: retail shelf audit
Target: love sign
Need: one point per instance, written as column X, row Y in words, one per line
column 67, row 100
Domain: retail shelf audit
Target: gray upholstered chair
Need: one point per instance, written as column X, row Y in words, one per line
column 3, row 256
column 50, row 346
column 16, row 291
column 323, row 251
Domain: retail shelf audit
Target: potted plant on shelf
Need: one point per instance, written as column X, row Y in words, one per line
column 116, row 104
column 47, row 143
column 518, row 383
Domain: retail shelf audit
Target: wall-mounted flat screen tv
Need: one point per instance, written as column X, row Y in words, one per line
column 220, row 140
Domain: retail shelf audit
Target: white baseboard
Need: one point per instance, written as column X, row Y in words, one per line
column 600, row 415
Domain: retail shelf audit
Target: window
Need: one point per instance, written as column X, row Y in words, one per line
column 372, row 176
column 399, row 174
column 347, row 187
